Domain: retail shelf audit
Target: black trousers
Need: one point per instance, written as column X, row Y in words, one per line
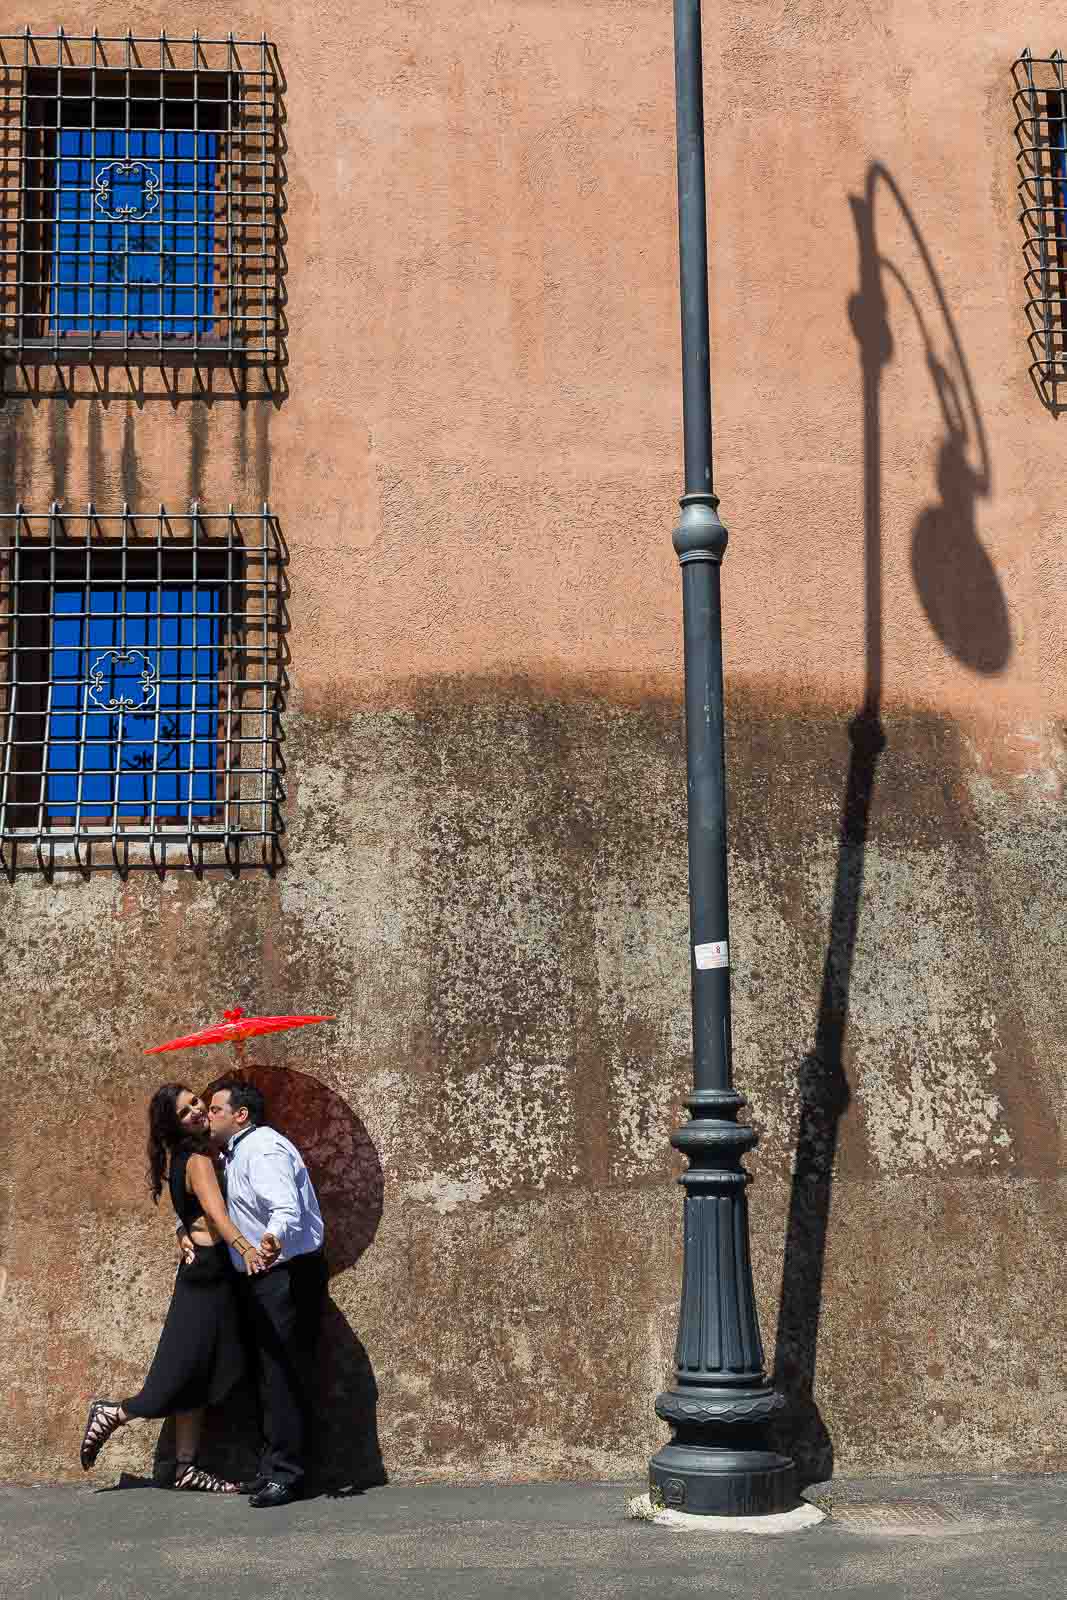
column 283, row 1309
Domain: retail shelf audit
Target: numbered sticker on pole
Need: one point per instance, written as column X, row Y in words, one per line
column 710, row 956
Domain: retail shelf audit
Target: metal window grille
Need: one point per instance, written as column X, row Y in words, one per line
column 1041, row 133
column 142, row 685
column 139, row 199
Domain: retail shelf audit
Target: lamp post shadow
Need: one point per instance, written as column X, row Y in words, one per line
column 958, row 588
column 346, row 1455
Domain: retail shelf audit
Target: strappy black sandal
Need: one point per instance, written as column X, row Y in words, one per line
column 104, row 1417
column 193, row 1478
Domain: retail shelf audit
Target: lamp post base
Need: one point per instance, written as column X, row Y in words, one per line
column 720, row 1480
column 802, row 1517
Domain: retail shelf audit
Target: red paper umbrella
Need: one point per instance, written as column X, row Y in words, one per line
column 235, row 1030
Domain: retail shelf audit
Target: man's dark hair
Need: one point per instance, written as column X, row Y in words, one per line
column 242, row 1094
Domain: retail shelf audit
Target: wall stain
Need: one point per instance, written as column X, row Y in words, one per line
column 262, row 453
column 242, row 442
column 551, row 866
column 129, row 467
column 59, row 449
column 198, row 423
column 10, row 415
column 25, row 456
column 95, row 451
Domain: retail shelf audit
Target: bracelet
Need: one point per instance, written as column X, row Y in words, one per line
column 242, row 1245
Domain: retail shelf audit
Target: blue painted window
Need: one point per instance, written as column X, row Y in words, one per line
column 134, row 702
column 134, row 237
column 1057, row 118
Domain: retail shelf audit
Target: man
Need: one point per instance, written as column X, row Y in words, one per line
column 270, row 1197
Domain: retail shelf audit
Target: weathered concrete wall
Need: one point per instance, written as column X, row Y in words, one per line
column 489, row 889
column 474, row 466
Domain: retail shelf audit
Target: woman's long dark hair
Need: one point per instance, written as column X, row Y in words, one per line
column 166, row 1135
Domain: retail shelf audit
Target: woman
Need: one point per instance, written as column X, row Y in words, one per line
column 200, row 1356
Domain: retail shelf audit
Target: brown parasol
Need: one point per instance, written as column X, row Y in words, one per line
column 235, row 1029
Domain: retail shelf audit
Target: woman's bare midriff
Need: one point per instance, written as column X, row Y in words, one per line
column 201, row 1232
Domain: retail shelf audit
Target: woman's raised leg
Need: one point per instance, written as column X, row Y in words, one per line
column 104, row 1417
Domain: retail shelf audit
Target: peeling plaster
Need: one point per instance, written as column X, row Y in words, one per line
column 445, row 1194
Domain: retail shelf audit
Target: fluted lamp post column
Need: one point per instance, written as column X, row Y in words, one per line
column 718, row 1462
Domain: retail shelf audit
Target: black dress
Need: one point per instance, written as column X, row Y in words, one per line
column 200, row 1356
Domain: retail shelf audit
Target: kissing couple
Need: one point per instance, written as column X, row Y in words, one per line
column 252, row 1276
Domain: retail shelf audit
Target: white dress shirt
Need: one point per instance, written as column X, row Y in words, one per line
column 268, row 1190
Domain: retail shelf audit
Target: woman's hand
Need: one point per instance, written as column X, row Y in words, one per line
column 253, row 1261
column 186, row 1249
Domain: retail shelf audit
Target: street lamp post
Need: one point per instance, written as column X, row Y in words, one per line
column 718, row 1462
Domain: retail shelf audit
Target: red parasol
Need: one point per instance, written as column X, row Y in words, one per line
column 235, row 1030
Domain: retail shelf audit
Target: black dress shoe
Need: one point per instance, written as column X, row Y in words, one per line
column 253, row 1485
column 274, row 1494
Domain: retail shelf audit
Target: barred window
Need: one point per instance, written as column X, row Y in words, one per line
column 139, row 199
column 142, row 688
column 1041, row 134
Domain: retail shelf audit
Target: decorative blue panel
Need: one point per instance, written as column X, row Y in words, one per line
column 132, row 727
column 134, row 237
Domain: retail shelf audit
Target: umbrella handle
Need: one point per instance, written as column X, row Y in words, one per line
column 239, row 1051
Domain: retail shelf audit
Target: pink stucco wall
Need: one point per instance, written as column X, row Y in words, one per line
column 475, row 460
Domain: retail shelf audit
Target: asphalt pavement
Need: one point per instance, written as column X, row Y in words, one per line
column 953, row 1538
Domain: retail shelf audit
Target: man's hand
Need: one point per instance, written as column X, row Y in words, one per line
column 186, row 1248
column 269, row 1249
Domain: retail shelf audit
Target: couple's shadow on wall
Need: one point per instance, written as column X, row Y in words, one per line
column 346, row 1454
